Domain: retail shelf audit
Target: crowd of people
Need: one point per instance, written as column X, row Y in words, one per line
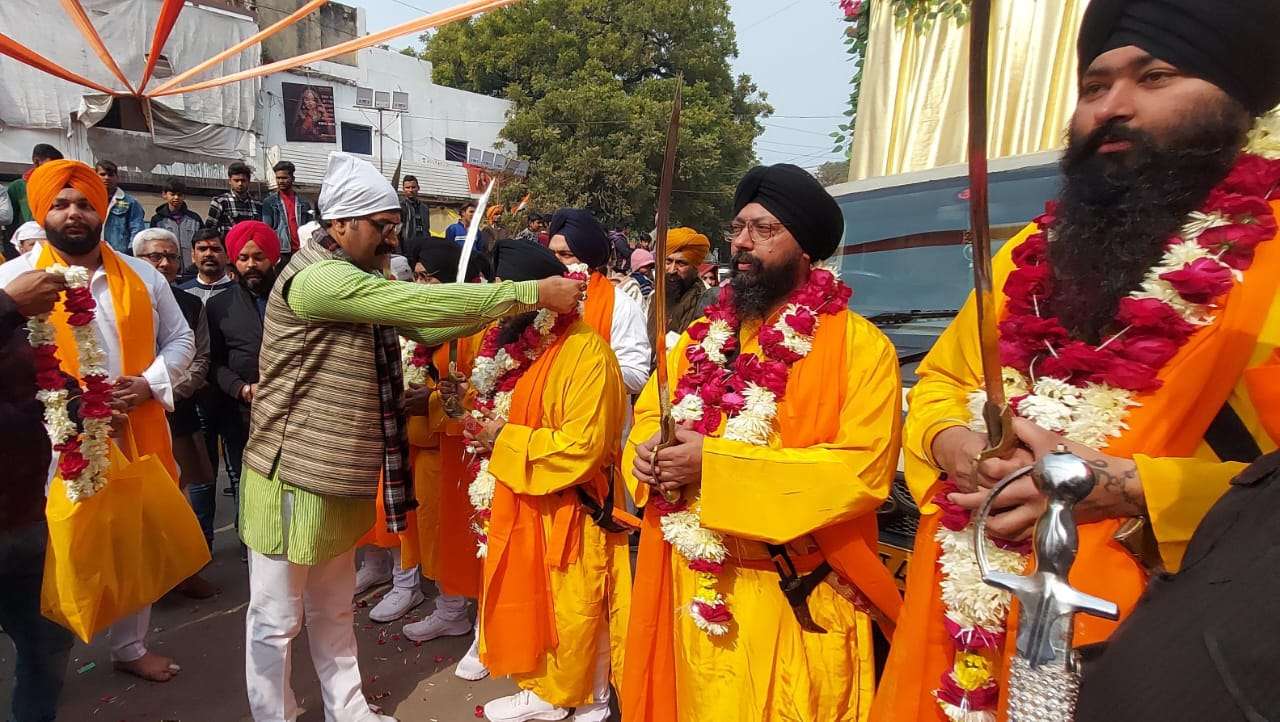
column 504, row 436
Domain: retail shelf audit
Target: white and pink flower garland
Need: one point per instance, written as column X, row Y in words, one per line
column 82, row 460
column 415, row 360
column 1085, row 392
column 744, row 395
column 494, row 375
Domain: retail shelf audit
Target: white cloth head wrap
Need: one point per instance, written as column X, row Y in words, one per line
column 353, row 188
column 31, row 230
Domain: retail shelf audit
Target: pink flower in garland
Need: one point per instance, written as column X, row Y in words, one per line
column 1200, row 281
column 1155, row 316
column 1154, row 351
column 1253, row 175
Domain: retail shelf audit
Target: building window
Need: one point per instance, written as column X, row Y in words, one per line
column 126, row 113
column 357, row 139
column 455, row 150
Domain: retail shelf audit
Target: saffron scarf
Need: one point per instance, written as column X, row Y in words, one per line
column 135, row 328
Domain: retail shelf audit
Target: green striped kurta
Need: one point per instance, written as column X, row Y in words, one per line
column 322, row 527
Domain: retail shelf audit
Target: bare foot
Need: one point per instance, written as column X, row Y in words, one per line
column 151, row 667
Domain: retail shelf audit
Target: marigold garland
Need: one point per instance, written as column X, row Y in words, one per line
column 82, row 460
column 1085, row 391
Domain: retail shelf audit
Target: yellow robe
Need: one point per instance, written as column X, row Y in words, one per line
column 766, row 669
column 583, row 403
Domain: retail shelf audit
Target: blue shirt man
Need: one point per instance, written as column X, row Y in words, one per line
column 125, row 216
column 457, row 233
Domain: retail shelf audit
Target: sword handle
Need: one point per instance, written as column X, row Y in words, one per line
column 1000, row 437
column 668, row 438
column 452, row 404
column 1047, row 693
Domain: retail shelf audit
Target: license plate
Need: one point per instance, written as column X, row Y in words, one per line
column 895, row 559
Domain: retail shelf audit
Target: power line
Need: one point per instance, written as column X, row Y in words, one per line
column 770, row 15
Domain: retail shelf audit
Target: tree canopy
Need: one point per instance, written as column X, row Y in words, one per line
column 592, row 83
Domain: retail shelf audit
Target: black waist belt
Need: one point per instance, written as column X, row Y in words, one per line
column 601, row 514
column 797, row 588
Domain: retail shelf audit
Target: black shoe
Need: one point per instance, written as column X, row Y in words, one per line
column 229, row 491
column 244, row 553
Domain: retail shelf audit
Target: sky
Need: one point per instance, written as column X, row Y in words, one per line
column 792, row 49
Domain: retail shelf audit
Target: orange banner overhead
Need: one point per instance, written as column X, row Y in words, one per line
column 248, row 42
column 164, row 25
column 433, row 20
column 23, row 54
column 90, row 33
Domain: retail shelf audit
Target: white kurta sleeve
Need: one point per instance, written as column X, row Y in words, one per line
column 629, row 337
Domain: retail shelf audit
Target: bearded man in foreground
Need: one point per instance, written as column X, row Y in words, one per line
column 1137, row 320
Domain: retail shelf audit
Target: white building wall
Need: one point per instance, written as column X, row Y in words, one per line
column 436, row 113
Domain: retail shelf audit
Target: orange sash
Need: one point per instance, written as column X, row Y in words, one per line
column 597, row 312
column 808, row 415
column 517, row 620
column 136, row 330
column 1169, row 423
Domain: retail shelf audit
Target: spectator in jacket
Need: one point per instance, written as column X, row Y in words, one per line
column 17, row 190
column 415, row 219
column 284, row 210
column 126, row 218
column 209, row 259
column 177, row 218
column 235, row 334
column 236, row 204
column 160, row 248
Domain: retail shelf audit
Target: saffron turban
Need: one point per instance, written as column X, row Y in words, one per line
column 799, row 202
column 584, row 234
column 256, row 231
column 516, row 260
column 353, row 188
column 1230, row 44
column 692, row 244
column 48, row 180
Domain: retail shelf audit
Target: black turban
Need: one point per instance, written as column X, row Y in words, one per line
column 584, row 234
column 799, row 201
column 1230, row 43
column 517, row 260
column 440, row 258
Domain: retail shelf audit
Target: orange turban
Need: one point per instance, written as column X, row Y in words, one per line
column 47, row 181
column 692, row 244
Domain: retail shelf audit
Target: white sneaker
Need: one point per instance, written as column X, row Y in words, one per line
column 522, row 707
column 395, row 604
column 435, row 626
column 372, row 575
column 470, row 667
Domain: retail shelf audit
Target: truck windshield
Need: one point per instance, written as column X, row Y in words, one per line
column 905, row 256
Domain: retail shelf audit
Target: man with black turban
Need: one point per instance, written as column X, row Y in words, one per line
column 556, row 580
column 577, row 237
column 1133, row 332
column 788, row 406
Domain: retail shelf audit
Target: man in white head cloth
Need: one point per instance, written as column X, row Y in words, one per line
column 27, row 236
column 327, row 425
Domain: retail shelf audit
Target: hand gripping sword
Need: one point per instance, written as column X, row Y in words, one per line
column 1044, row 679
column 995, row 412
column 659, row 331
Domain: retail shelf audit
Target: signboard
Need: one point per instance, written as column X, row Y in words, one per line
column 308, row 113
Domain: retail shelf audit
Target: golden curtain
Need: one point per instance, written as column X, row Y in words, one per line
column 912, row 112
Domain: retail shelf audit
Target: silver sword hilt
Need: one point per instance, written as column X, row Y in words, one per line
column 1043, row 679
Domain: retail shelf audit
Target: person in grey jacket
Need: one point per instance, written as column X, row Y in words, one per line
column 284, row 210
column 175, row 217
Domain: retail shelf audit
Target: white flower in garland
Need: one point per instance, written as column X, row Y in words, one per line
column 718, row 334
column 970, row 601
column 684, row 531
column 413, row 375
column 754, row 424
column 792, row 339
column 688, row 409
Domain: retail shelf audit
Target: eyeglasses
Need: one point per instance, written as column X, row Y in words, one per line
column 385, row 227
column 158, row 257
column 760, row 231
column 566, row 256
column 423, row 276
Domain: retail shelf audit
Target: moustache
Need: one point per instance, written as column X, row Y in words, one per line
column 757, row 266
column 1113, row 130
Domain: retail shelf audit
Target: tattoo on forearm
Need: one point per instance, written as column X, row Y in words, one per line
column 1115, row 482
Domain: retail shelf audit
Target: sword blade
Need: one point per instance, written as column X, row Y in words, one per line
column 995, row 412
column 660, row 322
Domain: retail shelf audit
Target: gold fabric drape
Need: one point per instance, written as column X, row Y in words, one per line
column 912, row 112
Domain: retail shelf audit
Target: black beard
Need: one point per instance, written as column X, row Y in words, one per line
column 1117, row 211
column 259, row 284
column 511, row 329
column 74, row 246
column 756, row 291
column 678, row 286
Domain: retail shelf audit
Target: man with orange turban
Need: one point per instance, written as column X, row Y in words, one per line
column 147, row 341
column 686, row 250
